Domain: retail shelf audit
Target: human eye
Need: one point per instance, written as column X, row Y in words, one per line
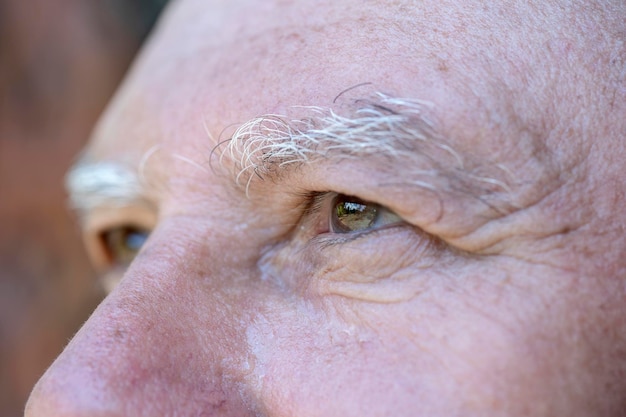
column 114, row 237
column 121, row 243
column 350, row 214
column 352, row 246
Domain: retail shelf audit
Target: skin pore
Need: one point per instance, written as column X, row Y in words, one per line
column 489, row 280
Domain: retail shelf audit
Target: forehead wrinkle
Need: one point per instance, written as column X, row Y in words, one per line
column 91, row 185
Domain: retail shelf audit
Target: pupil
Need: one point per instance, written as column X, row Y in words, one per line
column 351, row 215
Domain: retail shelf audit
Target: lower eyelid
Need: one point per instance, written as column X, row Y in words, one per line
column 331, row 239
column 358, row 263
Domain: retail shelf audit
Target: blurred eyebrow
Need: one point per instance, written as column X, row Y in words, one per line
column 101, row 184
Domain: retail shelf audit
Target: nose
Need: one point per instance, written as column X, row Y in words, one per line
column 165, row 342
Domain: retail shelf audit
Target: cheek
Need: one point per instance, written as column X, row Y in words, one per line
column 472, row 344
column 335, row 359
column 318, row 363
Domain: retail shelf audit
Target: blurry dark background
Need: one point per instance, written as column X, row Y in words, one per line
column 60, row 61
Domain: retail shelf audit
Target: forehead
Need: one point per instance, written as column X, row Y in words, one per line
column 212, row 65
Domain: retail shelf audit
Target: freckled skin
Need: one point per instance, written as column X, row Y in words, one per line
column 234, row 307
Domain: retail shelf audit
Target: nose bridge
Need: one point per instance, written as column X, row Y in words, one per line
column 165, row 342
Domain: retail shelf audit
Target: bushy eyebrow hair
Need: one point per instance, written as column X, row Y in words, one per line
column 398, row 131
column 265, row 146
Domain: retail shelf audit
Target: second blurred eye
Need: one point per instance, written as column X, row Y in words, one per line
column 122, row 243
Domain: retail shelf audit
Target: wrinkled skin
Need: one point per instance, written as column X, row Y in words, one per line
column 236, row 306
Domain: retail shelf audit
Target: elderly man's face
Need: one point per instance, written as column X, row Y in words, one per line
column 359, row 209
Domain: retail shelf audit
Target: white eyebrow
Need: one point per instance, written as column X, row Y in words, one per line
column 101, row 184
column 387, row 128
column 267, row 146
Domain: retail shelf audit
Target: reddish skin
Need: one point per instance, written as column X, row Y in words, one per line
column 530, row 323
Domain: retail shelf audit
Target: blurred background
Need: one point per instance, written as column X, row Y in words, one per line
column 60, row 62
